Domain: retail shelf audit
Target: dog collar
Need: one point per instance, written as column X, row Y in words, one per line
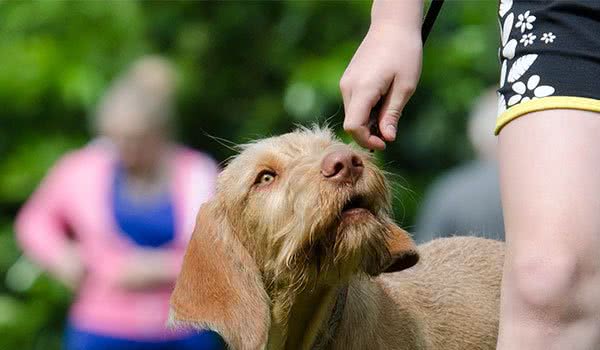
column 327, row 334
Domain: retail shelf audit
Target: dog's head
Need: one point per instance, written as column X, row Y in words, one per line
column 290, row 211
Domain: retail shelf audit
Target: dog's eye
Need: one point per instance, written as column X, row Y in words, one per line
column 265, row 177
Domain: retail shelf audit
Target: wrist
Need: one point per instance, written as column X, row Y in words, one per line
column 394, row 32
column 403, row 16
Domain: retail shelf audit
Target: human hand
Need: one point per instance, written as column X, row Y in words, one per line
column 386, row 65
column 69, row 269
column 147, row 268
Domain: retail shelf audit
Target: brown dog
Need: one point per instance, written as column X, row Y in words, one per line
column 287, row 253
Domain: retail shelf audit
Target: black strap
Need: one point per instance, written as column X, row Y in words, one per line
column 430, row 17
column 326, row 336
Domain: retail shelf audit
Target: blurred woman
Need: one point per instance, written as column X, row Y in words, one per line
column 111, row 220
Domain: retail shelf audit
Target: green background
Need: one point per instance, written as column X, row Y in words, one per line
column 246, row 70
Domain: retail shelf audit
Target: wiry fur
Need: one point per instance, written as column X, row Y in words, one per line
column 266, row 261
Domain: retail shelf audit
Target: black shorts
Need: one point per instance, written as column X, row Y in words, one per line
column 549, row 56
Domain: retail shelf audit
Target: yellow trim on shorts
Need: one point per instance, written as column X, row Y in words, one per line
column 550, row 102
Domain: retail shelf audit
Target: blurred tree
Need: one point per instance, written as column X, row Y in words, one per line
column 247, row 70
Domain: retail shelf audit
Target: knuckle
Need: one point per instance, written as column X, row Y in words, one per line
column 393, row 113
column 350, row 126
column 345, row 84
column 408, row 88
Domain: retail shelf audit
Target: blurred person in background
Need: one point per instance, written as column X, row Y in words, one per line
column 112, row 220
column 466, row 199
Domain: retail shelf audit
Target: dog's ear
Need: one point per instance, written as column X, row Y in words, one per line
column 219, row 286
column 402, row 248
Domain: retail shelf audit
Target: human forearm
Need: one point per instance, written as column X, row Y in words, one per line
column 405, row 14
column 149, row 268
column 48, row 247
column 40, row 231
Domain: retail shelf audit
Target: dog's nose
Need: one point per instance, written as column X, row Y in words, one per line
column 342, row 166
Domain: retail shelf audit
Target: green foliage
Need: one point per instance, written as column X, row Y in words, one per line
column 247, row 70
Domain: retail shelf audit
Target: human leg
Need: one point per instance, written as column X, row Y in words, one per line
column 550, row 180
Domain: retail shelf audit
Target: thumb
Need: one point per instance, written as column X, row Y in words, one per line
column 391, row 110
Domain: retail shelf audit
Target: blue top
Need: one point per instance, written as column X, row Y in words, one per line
column 77, row 339
column 150, row 223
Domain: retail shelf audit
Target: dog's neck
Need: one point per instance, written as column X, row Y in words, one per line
column 306, row 320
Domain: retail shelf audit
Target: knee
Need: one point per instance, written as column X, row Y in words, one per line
column 544, row 281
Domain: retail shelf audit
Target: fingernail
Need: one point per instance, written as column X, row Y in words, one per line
column 391, row 131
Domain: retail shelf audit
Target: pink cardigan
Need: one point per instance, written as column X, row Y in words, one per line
column 75, row 196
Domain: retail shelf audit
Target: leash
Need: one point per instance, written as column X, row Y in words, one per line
column 326, row 335
column 430, row 17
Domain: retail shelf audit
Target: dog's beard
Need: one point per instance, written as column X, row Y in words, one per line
column 338, row 246
column 360, row 245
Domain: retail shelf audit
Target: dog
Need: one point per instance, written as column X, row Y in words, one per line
column 297, row 250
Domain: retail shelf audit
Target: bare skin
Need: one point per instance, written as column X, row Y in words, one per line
column 69, row 269
column 387, row 63
column 550, row 181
